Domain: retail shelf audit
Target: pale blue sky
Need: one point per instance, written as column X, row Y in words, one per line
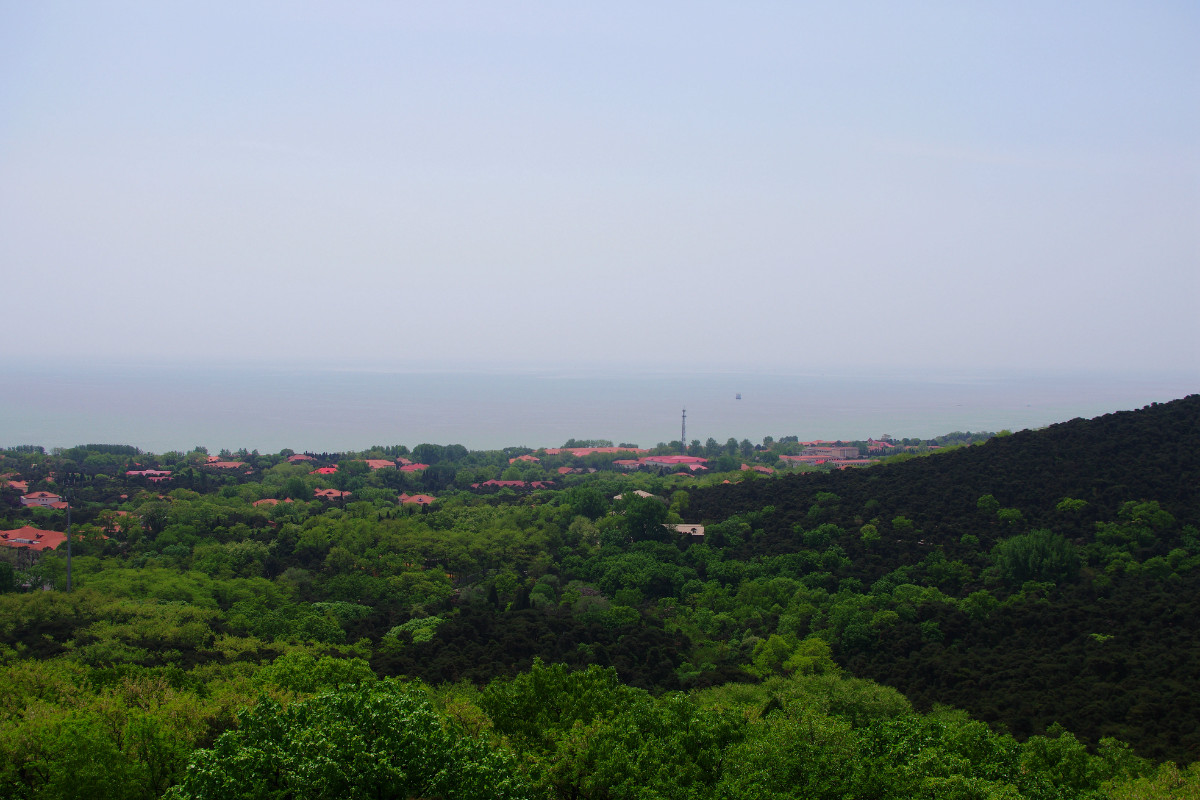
column 755, row 184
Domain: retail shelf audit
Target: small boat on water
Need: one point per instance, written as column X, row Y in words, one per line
column 737, row 396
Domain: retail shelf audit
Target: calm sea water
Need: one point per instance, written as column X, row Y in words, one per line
column 160, row 408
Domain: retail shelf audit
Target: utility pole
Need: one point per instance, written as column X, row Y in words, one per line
column 67, row 492
column 683, row 434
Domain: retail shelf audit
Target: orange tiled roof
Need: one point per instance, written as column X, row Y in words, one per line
column 33, row 538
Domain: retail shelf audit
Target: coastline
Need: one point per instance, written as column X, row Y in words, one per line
column 159, row 407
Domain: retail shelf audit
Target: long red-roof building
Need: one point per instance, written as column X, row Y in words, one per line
column 33, row 538
column 693, row 463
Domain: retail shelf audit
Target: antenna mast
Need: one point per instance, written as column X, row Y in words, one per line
column 68, row 483
column 683, row 433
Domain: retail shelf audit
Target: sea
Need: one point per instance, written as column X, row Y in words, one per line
column 163, row 407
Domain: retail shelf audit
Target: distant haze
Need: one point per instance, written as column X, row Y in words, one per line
column 161, row 408
column 760, row 186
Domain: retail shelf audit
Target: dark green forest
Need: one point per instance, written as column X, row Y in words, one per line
column 1004, row 616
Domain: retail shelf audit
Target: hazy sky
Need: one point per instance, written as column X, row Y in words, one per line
column 789, row 184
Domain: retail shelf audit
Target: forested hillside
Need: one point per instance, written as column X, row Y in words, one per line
column 1077, row 543
column 553, row 627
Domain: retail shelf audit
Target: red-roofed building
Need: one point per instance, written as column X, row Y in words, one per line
column 845, row 463
column 225, row 464
column 330, row 494
column 758, row 468
column 526, row 457
column 831, row 452
column 413, row 467
column 10, row 480
column 694, row 463
column 324, row 471
column 33, row 538
column 805, row 459
column 673, row 460
column 292, row 459
column 581, row 452
column 416, row 499
column 379, row 463
column 43, row 499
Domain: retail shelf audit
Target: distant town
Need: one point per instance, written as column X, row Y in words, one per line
column 108, row 484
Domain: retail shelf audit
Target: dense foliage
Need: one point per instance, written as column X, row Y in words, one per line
column 561, row 642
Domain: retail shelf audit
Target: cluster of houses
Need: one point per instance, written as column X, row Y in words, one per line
column 834, row 455
column 692, row 463
column 831, row 454
column 403, row 464
column 28, row 538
